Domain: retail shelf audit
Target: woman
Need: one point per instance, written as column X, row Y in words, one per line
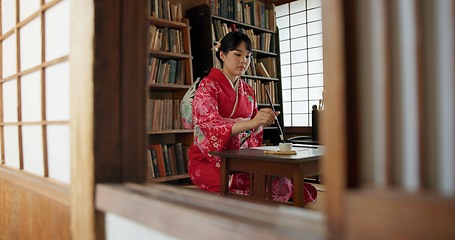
column 226, row 117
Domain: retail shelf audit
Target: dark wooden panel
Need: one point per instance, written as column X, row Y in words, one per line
column 133, row 90
column 106, row 79
column 30, row 214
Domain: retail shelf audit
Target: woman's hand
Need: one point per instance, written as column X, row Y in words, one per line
column 265, row 117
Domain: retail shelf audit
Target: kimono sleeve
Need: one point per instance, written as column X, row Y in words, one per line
column 212, row 132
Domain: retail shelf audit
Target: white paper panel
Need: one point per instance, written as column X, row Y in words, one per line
column 299, row 69
column 299, row 43
column 9, row 56
column 57, row 92
column 31, row 44
column 315, row 41
column 32, row 145
column 299, row 94
column 296, row 6
column 313, row 3
column 286, row 83
column 300, row 81
column 299, row 107
column 8, row 15
column 299, row 56
column 314, row 14
column 282, row 10
column 315, row 67
column 11, row 146
column 298, row 18
column 28, row 7
column 287, row 119
column 300, row 120
column 31, row 97
column 120, row 228
column 314, row 27
column 58, row 30
column 315, row 93
column 282, row 22
column 59, row 152
column 10, row 101
column 316, row 80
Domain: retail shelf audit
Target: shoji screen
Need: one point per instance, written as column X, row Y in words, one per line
column 34, row 87
column 300, row 24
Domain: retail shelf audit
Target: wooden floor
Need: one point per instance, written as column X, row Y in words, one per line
column 320, row 200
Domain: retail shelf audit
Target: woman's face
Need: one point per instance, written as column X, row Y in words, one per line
column 236, row 61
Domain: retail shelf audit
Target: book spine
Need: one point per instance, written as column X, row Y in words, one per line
column 154, row 163
column 179, row 158
column 167, row 164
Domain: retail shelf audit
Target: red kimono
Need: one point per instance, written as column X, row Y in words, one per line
column 217, row 105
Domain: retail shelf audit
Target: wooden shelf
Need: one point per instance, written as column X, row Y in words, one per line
column 264, row 53
column 172, row 131
column 241, row 24
column 168, row 55
column 268, row 105
column 260, row 78
column 167, row 178
column 159, row 22
column 169, row 87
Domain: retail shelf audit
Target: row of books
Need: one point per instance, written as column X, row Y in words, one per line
column 163, row 114
column 168, row 71
column 252, row 12
column 259, row 90
column 261, row 41
column 265, row 67
column 165, row 39
column 167, row 159
column 165, row 10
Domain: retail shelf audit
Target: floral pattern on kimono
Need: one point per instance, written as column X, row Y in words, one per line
column 217, row 105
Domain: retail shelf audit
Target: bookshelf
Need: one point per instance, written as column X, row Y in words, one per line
column 169, row 75
column 209, row 22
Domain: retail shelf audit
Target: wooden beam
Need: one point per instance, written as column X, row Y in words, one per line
column 333, row 132
column 205, row 215
column 82, row 119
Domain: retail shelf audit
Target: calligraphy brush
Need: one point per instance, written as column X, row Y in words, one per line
column 276, row 118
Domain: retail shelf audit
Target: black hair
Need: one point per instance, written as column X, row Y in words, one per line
column 231, row 41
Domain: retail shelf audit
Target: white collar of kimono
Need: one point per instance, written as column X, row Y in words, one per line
column 232, row 85
column 235, row 87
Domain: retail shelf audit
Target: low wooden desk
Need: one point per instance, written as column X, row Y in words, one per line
column 262, row 166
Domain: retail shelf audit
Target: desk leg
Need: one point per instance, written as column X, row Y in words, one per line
column 298, row 186
column 224, row 177
column 259, row 185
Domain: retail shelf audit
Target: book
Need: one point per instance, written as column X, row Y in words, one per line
column 172, row 70
column 180, row 158
column 167, row 164
column 172, row 158
column 159, row 158
column 156, row 171
column 149, row 165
